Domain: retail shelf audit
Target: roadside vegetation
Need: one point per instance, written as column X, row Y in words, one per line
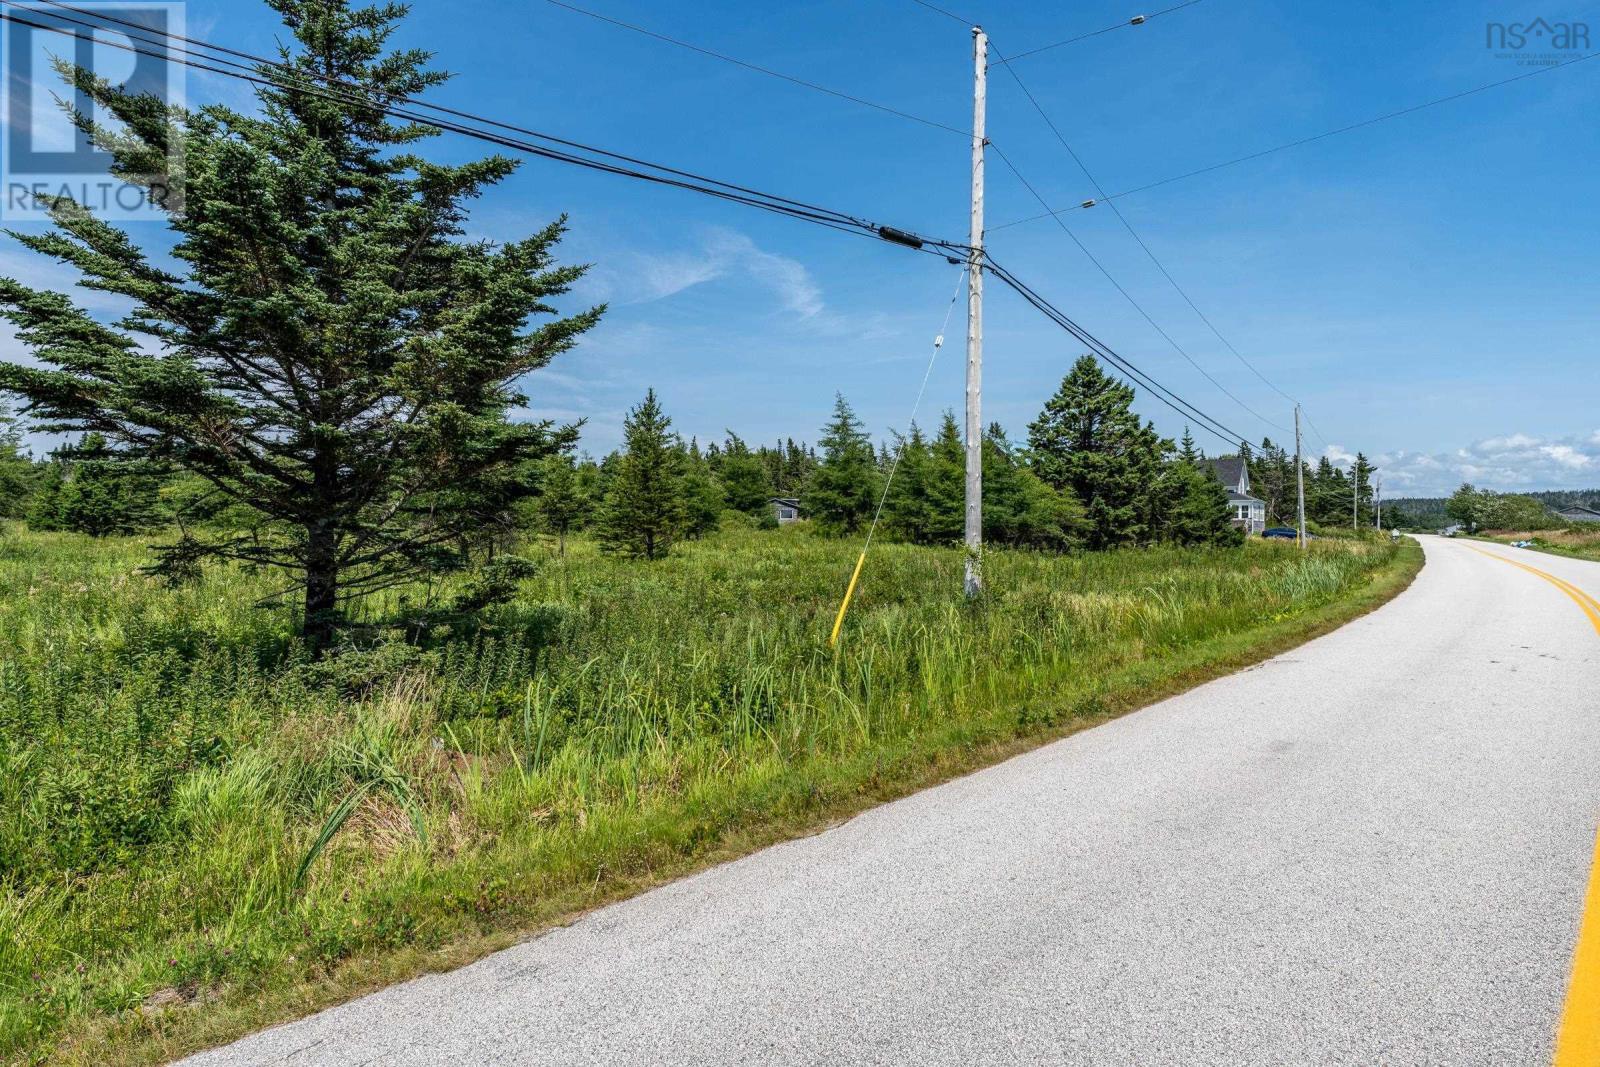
column 323, row 664
column 202, row 828
column 1576, row 541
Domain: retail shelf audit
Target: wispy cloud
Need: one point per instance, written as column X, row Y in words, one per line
column 630, row 277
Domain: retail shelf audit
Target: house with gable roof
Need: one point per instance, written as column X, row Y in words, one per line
column 1249, row 513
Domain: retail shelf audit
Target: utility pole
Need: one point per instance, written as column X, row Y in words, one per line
column 1299, row 476
column 1355, row 493
column 1377, row 504
column 974, row 529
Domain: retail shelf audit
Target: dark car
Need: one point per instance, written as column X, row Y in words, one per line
column 1285, row 533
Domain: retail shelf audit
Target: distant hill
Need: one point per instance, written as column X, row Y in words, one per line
column 1428, row 511
column 1423, row 511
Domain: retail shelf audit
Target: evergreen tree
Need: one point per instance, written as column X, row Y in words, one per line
column 1362, row 487
column 702, row 497
column 1018, row 508
column 1328, row 495
column 1187, row 450
column 947, row 484
column 798, row 463
column 745, row 482
column 1089, row 441
column 1196, row 509
column 562, row 502
column 44, row 507
column 591, row 490
column 907, row 509
column 644, row 507
column 106, row 493
column 1272, row 479
column 338, row 356
column 843, row 489
column 16, row 469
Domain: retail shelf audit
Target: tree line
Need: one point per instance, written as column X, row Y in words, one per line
column 1334, row 496
column 1091, row 474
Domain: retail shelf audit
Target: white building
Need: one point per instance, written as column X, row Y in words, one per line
column 1249, row 513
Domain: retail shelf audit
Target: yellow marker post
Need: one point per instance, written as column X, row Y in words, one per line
column 844, row 605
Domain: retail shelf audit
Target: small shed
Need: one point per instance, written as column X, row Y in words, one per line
column 785, row 509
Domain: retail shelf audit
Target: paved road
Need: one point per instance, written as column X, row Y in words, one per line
column 1373, row 849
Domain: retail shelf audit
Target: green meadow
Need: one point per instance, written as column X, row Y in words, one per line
column 203, row 831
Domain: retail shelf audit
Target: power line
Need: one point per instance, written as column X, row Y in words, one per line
column 1061, row 138
column 1176, row 347
column 946, row 14
column 1137, row 20
column 665, row 175
column 1230, row 438
column 350, row 90
column 1318, row 137
column 758, row 68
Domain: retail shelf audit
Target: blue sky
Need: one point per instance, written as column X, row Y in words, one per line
column 1425, row 286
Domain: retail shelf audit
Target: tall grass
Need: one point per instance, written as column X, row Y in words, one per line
column 1578, row 542
column 188, row 805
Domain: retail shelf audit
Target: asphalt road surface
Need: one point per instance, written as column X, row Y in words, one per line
column 1372, row 850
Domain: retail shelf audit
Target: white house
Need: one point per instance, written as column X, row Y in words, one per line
column 1249, row 513
column 785, row 509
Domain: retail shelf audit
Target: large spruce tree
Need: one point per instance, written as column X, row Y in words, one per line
column 1088, row 440
column 843, row 490
column 644, row 507
column 335, row 354
column 746, row 485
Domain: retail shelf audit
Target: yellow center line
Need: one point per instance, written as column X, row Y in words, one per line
column 1590, row 606
column 1578, row 1040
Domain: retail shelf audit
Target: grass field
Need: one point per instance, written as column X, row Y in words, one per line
column 1576, row 543
column 202, row 832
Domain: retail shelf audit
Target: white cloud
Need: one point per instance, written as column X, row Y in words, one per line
column 1507, row 463
column 1567, row 456
column 1339, row 456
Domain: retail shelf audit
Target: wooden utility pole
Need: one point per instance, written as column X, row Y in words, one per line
column 1355, row 493
column 1299, row 478
column 974, row 526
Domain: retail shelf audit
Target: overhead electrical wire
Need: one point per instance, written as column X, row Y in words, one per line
column 1210, row 424
column 292, row 79
column 947, row 14
column 1324, row 135
column 769, row 72
column 1136, row 20
column 1176, row 347
column 1150, row 253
